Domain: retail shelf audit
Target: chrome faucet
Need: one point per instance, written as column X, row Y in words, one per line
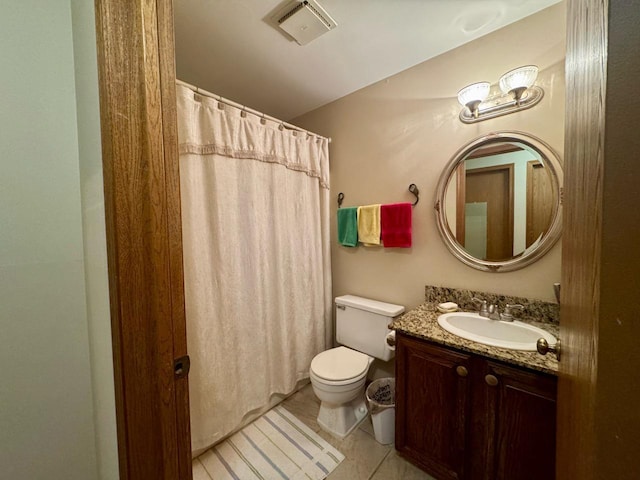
column 493, row 313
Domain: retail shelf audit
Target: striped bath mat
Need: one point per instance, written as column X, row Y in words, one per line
column 275, row 446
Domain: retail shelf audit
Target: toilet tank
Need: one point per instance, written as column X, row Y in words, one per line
column 362, row 324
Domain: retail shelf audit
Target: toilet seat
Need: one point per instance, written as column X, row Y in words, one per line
column 339, row 366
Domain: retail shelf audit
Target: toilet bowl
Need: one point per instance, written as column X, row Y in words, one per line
column 338, row 375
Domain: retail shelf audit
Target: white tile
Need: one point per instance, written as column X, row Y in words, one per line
column 395, row 467
column 362, row 454
column 199, row 472
column 305, row 406
column 367, row 426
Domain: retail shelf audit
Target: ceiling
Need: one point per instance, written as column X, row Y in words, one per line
column 231, row 47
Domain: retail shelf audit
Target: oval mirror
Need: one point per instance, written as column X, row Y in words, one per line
column 498, row 202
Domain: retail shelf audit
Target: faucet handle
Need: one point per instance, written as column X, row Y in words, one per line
column 484, row 309
column 507, row 316
column 507, row 308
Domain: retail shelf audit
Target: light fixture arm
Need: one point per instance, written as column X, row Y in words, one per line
column 473, row 107
column 517, row 94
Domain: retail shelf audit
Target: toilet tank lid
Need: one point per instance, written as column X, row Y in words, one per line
column 382, row 308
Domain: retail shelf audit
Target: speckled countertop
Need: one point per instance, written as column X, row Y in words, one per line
column 422, row 322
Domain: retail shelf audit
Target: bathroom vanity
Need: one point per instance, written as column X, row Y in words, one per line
column 469, row 411
column 471, row 401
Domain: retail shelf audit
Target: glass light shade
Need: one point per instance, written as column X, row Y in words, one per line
column 522, row 77
column 476, row 92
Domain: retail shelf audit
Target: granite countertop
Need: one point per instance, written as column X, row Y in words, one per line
column 422, row 322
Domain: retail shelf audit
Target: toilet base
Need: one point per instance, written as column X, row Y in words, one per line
column 341, row 420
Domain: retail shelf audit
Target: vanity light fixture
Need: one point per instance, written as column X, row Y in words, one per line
column 518, row 93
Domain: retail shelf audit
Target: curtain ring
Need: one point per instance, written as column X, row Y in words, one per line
column 281, row 127
column 263, row 120
column 243, row 113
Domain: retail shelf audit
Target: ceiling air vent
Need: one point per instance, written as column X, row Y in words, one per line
column 305, row 21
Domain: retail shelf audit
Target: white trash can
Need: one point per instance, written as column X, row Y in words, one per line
column 381, row 397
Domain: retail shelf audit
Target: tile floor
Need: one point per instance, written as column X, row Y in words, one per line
column 365, row 459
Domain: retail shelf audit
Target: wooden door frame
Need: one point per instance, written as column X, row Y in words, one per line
column 136, row 68
column 531, row 166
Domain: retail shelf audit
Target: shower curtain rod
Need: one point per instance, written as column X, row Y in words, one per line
column 244, row 108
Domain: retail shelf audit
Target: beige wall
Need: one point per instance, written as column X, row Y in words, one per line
column 405, row 129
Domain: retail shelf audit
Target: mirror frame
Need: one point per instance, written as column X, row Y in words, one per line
column 550, row 159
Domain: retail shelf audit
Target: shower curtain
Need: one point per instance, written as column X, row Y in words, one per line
column 255, row 211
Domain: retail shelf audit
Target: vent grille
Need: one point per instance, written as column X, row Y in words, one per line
column 291, row 12
column 312, row 6
column 304, row 21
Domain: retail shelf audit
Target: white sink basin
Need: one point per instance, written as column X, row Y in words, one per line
column 512, row 335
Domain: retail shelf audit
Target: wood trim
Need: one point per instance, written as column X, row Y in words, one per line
column 531, row 164
column 586, row 78
column 493, row 150
column 172, row 184
column 461, row 188
column 530, row 233
column 138, row 122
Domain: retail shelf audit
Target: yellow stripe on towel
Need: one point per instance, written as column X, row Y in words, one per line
column 369, row 225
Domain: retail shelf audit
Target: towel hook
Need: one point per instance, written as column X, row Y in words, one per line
column 414, row 189
column 340, row 199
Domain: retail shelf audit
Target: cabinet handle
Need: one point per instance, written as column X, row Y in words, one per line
column 462, row 371
column 491, row 380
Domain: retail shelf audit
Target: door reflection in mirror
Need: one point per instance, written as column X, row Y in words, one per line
column 500, row 200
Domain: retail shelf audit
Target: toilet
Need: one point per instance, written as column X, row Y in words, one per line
column 338, row 375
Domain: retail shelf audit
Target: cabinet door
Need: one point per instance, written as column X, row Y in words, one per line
column 521, row 424
column 432, row 401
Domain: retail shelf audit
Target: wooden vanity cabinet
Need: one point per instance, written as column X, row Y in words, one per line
column 463, row 416
column 432, row 406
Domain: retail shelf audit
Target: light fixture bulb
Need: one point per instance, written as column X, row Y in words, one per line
column 473, row 95
column 474, row 92
column 518, row 80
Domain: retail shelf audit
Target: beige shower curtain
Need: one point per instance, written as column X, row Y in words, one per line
column 255, row 210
